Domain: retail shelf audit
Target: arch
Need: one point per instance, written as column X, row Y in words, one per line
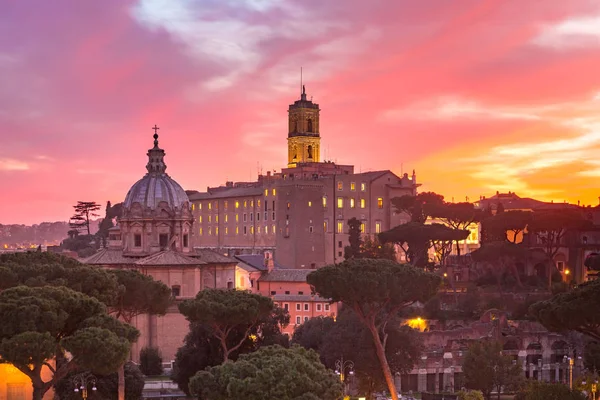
column 309, row 150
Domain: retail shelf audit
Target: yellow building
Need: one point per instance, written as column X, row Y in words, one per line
column 15, row 385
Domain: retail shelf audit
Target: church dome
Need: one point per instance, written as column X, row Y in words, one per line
column 156, row 186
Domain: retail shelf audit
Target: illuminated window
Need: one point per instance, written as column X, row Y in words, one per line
column 225, row 204
column 266, row 192
column 380, row 202
column 200, row 231
column 340, row 185
column 288, row 205
column 226, row 217
column 237, row 230
column 216, row 205
column 273, row 229
column 340, row 227
column 237, row 204
column 310, row 203
column 252, row 230
column 226, row 231
column 237, row 217
column 193, row 206
column 251, row 203
column 377, row 227
column 258, row 203
column 363, row 203
column 352, row 203
column 210, row 206
column 258, row 229
column 245, row 203
column 340, row 202
column 209, row 230
column 216, row 230
column 363, row 187
column 325, row 226
column 353, row 186
column 274, row 192
column 324, row 201
column 217, row 218
column 200, row 219
column 209, row 219
column 362, row 227
column 199, row 206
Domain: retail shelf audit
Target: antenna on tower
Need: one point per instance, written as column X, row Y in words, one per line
column 301, row 85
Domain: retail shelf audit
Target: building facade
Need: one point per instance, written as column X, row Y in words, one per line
column 302, row 212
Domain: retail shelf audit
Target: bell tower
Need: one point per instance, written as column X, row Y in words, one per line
column 304, row 138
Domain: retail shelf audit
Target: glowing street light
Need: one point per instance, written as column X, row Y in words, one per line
column 341, row 367
column 82, row 381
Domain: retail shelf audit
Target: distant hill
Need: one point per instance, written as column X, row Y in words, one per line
column 45, row 233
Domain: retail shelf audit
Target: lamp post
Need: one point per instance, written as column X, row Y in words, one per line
column 571, row 362
column 341, row 367
column 81, row 382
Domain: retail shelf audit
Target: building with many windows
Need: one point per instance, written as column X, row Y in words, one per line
column 302, row 212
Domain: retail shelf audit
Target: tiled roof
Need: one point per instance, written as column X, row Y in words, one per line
column 169, row 257
column 212, row 257
column 225, row 193
column 298, row 297
column 286, row 275
column 109, row 257
column 246, row 267
column 256, row 261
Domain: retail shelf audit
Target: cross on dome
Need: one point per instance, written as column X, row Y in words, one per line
column 156, row 156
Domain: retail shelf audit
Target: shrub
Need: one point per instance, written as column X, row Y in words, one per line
column 151, row 361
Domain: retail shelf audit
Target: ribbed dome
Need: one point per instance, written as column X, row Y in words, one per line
column 156, row 186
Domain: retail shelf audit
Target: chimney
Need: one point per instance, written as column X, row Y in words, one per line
column 269, row 261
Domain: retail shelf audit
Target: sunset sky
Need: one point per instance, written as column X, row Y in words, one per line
column 476, row 95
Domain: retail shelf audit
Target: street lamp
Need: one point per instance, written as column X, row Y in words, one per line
column 81, row 382
column 341, row 367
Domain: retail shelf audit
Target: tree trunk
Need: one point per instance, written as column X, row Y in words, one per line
column 121, row 374
column 38, row 393
column 385, row 367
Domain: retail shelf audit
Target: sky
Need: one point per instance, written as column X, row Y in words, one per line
column 477, row 96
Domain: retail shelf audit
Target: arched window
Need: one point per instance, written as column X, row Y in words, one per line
column 310, row 151
column 310, row 127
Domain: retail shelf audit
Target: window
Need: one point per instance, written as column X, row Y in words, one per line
column 363, row 203
column 363, row 186
column 287, row 292
column 340, row 227
column 244, row 217
column 298, row 320
column 193, row 206
column 251, row 217
column 340, row 202
column 216, row 230
column 340, row 186
column 209, row 219
column 200, row 219
column 226, row 230
column 273, row 292
column 560, row 265
column 297, row 306
column 319, row 307
column 225, row 204
column 378, row 227
column 245, row 229
column 306, row 307
column 245, row 203
column 199, row 206
column 380, row 202
column 237, row 217
column 251, row 203
column 258, row 229
column 266, row 192
column 229, row 285
column 216, row 205
column 310, row 229
column 353, row 186
column 362, row 227
column 352, row 203
column 324, row 201
column 340, row 244
column 210, row 230
column 339, row 253
column 310, row 203
column 258, row 203
column 226, row 217
column 266, row 215
column 273, row 215
column 237, row 204
column 274, row 192
column 163, row 240
column 210, row 206
column 305, row 319
column 326, row 307
column 286, row 306
column 273, row 229
column 252, row 230
column 237, row 230
column 200, row 231
column 258, row 216
column 217, row 218
column 176, row 291
column 325, row 226
column 137, row 240
column 185, row 240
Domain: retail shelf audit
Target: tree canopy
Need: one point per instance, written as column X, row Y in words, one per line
column 40, row 324
column 224, row 311
column 536, row 390
column 486, row 369
column 550, row 227
column 576, row 310
column 271, row 373
column 376, row 290
column 499, row 258
column 420, row 207
column 84, row 210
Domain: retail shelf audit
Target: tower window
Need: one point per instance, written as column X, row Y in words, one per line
column 363, row 187
column 309, row 150
column 380, row 202
column 340, row 186
column 378, row 227
column 137, row 240
column 309, row 125
column 185, row 240
column 352, row 202
column 340, row 227
column 163, row 240
column 340, row 202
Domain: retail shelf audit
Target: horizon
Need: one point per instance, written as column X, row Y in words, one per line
column 477, row 97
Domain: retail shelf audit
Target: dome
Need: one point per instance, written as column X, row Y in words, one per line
column 156, row 186
column 153, row 189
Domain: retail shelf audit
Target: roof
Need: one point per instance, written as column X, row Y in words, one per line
column 212, row 257
column 153, row 189
column 511, row 201
column 227, row 192
column 256, row 261
column 298, row 297
column 108, row 257
column 372, row 175
column 286, row 275
column 169, row 257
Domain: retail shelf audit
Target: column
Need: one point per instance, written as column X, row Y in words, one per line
column 422, row 382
